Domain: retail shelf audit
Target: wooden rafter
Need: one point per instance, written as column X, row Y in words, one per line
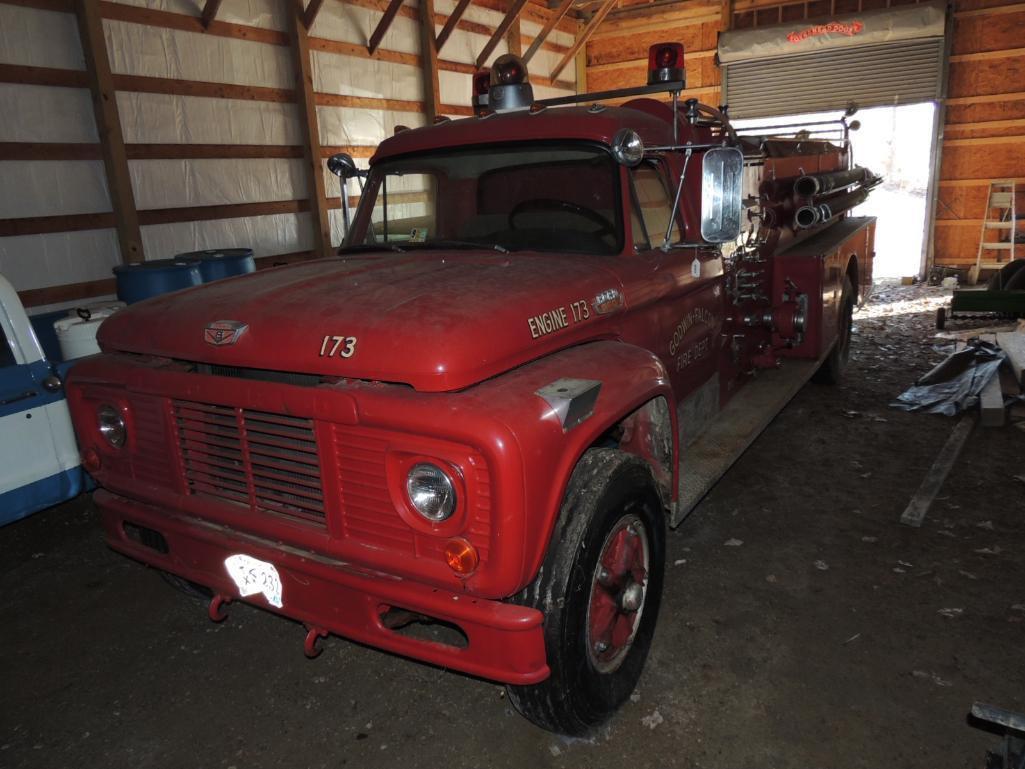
column 726, row 20
column 210, row 10
column 429, row 61
column 311, row 135
column 511, row 15
column 108, row 127
column 382, row 26
column 450, row 25
column 583, row 37
column 554, row 19
column 310, row 15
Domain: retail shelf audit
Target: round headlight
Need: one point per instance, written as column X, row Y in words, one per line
column 112, row 425
column 431, row 492
column 627, row 147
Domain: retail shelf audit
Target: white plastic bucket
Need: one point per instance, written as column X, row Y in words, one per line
column 76, row 333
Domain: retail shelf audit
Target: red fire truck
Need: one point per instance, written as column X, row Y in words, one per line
column 549, row 331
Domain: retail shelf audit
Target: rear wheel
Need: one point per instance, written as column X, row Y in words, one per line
column 599, row 588
column 832, row 368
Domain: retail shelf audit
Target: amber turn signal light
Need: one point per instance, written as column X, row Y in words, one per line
column 91, row 460
column 461, row 556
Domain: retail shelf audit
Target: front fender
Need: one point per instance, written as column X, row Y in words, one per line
column 630, row 377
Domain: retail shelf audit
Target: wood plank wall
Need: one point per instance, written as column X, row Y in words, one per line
column 984, row 135
column 536, row 14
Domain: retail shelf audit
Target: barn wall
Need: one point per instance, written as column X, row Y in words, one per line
column 984, row 135
column 211, row 124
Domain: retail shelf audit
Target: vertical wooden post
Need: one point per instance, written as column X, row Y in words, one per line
column 307, row 106
column 514, row 38
column 108, row 126
column 429, row 61
column 726, row 20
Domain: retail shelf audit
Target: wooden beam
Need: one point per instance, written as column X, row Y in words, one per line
column 507, row 21
column 919, row 505
column 383, row 24
column 34, row 297
column 726, row 22
column 310, row 15
column 210, row 9
column 514, row 39
column 307, row 104
column 429, row 61
column 450, row 25
column 546, row 30
column 108, row 127
column 583, row 37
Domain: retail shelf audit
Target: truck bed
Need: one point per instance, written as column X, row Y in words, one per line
column 742, row 420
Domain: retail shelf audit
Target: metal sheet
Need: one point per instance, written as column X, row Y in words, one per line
column 869, row 76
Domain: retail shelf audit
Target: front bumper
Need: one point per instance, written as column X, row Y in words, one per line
column 505, row 641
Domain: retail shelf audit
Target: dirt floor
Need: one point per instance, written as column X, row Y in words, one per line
column 802, row 625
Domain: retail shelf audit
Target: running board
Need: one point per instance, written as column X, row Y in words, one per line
column 735, row 428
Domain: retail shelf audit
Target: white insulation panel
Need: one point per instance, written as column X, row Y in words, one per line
column 45, row 188
column 21, row 29
column 266, row 14
column 220, row 181
column 266, row 235
column 36, row 261
column 39, row 113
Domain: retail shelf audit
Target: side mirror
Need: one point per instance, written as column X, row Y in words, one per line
column 722, row 177
column 343, row 166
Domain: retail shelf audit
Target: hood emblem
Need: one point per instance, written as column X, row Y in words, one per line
column 222, row 332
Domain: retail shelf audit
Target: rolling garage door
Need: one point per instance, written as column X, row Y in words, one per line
column 869, row 59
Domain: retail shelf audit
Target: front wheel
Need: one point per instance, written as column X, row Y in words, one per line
column 599, row 588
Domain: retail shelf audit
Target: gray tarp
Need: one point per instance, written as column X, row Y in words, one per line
column 842, row 31
column 955, row 384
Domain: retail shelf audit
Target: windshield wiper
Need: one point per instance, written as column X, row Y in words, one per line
column 360, row 248
column 443, row 243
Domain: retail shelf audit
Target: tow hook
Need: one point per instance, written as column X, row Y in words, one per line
column 313, row 635
column 218, row 609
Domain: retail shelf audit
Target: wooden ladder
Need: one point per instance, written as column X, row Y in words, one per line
column 1000, row 215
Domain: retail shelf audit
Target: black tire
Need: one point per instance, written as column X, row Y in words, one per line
column 1002, row 278
column 941, row 318
column 1015, row 281
column 832, row 368
column 186, row 587
column 611, row 498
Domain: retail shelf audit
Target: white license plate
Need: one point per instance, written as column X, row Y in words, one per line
column 253, row 576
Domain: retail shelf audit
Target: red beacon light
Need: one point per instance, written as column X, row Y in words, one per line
column 509, row 87
column 481, row 85
column 665, row 63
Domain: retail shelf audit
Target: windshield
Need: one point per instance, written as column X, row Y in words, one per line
column 511, row 198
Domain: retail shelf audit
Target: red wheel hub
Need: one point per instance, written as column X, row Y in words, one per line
column 617, row 594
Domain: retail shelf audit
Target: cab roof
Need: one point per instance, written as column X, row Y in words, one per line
column 651, row 119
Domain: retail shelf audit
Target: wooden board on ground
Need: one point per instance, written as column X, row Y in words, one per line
column 919, row 505
column 742, row 420
column 991, row 404
column 1014, row 345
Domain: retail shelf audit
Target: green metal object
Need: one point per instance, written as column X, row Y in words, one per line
column 983, row 300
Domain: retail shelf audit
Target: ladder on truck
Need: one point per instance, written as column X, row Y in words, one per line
column 1000, row 215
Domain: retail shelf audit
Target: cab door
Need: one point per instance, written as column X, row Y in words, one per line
column 35, row 472
column 689, row 308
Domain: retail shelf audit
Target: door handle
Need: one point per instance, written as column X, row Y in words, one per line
column 15, row 398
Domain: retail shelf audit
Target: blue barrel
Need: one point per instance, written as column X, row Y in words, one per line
column 219, row 263
column 143, row 280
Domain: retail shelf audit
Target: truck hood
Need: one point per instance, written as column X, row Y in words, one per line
column 434, row 320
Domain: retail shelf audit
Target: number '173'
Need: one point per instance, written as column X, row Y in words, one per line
column 341, row 346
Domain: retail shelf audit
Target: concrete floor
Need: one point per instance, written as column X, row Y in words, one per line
column 822, row 639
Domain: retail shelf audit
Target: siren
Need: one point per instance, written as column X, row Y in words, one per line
column 509, row 89
column 481, row 84
column 665, row 63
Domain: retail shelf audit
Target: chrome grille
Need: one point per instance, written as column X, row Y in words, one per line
column 267, row 462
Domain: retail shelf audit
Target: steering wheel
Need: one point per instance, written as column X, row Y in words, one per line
column 552, row 204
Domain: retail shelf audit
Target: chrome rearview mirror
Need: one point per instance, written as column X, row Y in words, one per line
column 343, row 166
column 722, row 177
